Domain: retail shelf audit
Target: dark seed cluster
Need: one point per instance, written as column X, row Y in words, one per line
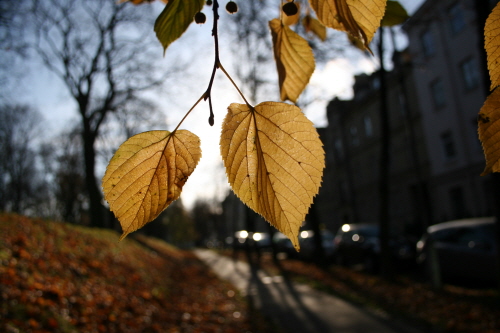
column 231, row 7
column 200, row 18
column 290, row 8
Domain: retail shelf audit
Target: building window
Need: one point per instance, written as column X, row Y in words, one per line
column 449, row 150
column 457, row 22
column 470, row 73
column 368, row 126
column 427, row 43
column 437, row 91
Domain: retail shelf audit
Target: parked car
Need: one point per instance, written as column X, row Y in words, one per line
column 261, row 239
column 307, row 245
column 465, row 250
column 283, row 244
column 359, row 244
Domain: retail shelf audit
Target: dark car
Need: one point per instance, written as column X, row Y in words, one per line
column 464, row 250
column 283, row 244
column 260, row 240
column 359, row 244
column 307, row 245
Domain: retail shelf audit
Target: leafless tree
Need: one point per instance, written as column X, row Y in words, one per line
column 69, row 179
column 103, row 53
column 137, row 116
column 253, row 49
column 13, row 46
column 20, row 184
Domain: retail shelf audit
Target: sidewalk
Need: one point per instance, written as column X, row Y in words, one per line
column 295, row 307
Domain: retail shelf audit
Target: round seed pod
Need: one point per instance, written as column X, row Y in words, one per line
column 231, row 7
column 290, row 8
column 200, row 18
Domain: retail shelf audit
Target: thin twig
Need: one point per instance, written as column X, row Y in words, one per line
column 208, row 93
column 187, row 113
column 234, row 84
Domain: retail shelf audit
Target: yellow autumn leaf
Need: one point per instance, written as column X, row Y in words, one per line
column 294, row 60
column 359, row 18
column 356, row 42
column 147, row 174
column 311, row 24
column 327, row 13
column 489, row 132
column 274, row 162
column 492, row 45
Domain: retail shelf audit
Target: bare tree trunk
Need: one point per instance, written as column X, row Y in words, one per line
column 96, row 209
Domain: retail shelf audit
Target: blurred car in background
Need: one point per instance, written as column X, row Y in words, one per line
column 282, row 244
column 307, row 244
column 261, row 240
column 464, row 250
column 359, row 244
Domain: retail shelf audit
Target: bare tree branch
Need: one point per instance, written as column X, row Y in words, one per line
column 102, row 52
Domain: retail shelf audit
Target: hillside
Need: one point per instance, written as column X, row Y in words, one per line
column 57, row 277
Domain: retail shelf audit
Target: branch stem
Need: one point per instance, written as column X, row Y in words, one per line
column 234, row 84
column 208, row 93
column 217, row 65
column 187, row 113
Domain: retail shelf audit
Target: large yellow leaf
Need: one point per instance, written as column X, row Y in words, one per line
column 274, row 162
column 147, row 174
column 175, row 19
column 327, row 13
column 489, row 132
column 294, row 60
column 312, row 24
column 492, row 45
column 360, row 18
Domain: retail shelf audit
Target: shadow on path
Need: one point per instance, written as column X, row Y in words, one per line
column 293, row 307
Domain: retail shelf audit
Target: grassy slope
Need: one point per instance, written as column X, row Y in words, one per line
column 57, row 277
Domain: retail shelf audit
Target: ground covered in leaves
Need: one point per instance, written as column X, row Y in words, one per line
column 404, row 300
column 57, row 277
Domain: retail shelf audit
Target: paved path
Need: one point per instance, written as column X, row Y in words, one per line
column 295, row 307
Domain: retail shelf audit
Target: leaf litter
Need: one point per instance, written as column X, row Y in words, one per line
column 56, row 277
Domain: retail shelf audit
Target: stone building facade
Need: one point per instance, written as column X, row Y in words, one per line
column 434, row 94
